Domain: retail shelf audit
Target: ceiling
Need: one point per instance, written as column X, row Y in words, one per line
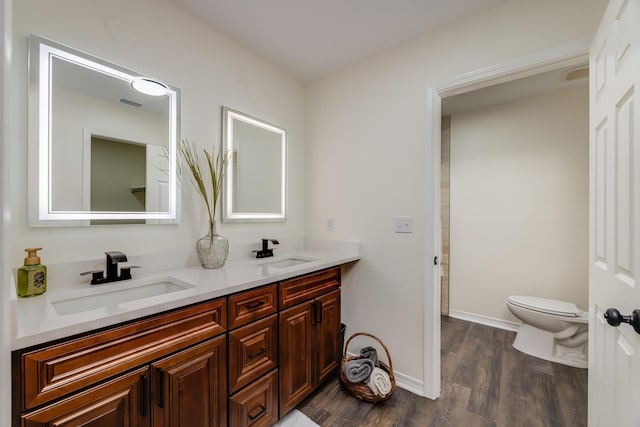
column 309, row 39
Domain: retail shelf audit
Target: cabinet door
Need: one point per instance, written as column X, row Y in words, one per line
column 189, row 388
column 296, row 355
column 122, row 402
column 327, row 335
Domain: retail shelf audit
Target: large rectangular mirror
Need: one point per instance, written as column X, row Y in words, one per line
column 255, row 185
column 102, row 149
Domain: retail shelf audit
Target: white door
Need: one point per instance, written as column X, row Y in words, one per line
column 157, row 180
column 157, row 184
column 614, row 248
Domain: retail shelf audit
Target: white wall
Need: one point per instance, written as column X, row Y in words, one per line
column 5, row 215
column 367, row 161
column 157, row 39
column 519, row 203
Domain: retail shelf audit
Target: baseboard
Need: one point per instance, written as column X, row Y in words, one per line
column 408, row 383
column 485, row 320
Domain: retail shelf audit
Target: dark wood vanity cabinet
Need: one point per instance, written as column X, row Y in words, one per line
column 180, row 368
column 159, row 371
column 309, row 334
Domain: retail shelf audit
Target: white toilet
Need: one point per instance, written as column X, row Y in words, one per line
column 552, row 330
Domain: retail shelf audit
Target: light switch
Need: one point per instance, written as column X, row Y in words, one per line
column 331, row 224
column 403, row 224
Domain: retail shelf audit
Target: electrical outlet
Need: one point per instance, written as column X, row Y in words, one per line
column 403, row 224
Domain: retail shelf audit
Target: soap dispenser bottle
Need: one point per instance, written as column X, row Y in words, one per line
column 32, row 276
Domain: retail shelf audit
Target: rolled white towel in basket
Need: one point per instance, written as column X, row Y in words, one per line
column 379, row 382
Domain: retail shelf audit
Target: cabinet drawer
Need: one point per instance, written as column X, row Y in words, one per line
column 299, row 289
column 119, row 402
column 253, row 351
column 256, row 405
column 252, row 305
column 60, row 369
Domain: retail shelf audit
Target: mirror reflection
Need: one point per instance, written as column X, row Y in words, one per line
column 255, row 185
column 104, row 152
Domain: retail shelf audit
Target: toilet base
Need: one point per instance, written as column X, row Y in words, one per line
column 543, row 345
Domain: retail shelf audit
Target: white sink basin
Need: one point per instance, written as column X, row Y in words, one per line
column 116, row 293
column 286, row 262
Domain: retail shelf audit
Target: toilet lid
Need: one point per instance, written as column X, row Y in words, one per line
column 545, row 305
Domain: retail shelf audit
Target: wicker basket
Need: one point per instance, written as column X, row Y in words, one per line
column 361, row 390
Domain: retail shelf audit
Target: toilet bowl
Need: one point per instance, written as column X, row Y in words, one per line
column 551, row 330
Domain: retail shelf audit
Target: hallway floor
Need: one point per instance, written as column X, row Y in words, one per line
column 485, row 382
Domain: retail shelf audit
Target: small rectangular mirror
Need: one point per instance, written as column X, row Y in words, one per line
column 101, row 151
column 255, row 184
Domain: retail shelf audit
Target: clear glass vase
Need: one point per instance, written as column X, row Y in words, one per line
column 212, row 249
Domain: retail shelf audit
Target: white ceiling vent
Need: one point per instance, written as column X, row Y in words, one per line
column 129, row 102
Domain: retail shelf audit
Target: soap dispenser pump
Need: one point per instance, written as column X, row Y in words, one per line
column 32, row 276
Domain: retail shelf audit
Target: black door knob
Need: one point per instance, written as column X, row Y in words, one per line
column 614, row 318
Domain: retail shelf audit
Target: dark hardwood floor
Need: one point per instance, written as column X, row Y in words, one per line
column 485, row 382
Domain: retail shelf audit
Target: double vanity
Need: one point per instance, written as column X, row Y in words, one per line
column 169, row 343
column 185, row 346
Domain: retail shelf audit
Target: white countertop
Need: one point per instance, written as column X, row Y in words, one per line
column 36, row 321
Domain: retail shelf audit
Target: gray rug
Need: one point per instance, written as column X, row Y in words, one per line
column 295, row 418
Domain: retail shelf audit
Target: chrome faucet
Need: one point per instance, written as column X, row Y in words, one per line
column 266, row 252
column 113, row 258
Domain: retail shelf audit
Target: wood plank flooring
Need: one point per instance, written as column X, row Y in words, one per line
column 485, row 382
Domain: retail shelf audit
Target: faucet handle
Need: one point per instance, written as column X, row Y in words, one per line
column 97, row 276
column 125, row 272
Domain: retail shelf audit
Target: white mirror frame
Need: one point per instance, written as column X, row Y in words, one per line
column 42, row 52
column 228, row 214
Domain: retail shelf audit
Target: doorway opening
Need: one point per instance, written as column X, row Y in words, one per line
column 516, row 155
column 565, row 56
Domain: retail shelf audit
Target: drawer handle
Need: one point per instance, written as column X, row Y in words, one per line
column 144, row 382
column 258, row 414
column 260, row 353
column 254, row 305
column 318, row 311
column 161, row 388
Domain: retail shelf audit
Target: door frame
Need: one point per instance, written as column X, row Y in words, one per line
column 566, row 55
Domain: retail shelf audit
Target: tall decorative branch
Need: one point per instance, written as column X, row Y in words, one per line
column 207, row 182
